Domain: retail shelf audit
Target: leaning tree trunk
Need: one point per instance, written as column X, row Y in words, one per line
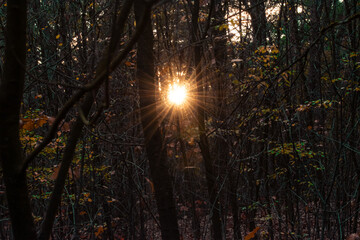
column 105, row 67
column 154, row 143
column 10, row 101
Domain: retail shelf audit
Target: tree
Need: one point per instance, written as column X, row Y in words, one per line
column 155, row 147
column 200, row 119
column 265, row 146
column 11, row 88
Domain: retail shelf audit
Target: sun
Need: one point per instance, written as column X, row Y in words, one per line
column 177, row 94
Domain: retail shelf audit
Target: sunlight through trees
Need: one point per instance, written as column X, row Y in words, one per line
column 186, row 119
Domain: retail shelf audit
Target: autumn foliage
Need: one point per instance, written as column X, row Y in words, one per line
column 266, row 145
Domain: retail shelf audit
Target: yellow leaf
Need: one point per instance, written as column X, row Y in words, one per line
column 262, row 49
column 58, row 36
column 82, row 213
column 89, row 200
column 251, row 234
column 60, row 44
column 353, row 54
column 224, row 26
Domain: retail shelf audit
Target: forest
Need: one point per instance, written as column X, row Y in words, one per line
column 179, row 119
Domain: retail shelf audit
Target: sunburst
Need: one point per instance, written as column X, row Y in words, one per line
column 177, row 94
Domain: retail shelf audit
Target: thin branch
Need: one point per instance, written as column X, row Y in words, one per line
column 99, row 79
column 322, row 32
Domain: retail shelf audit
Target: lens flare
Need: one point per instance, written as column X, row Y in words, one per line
column 177, row 94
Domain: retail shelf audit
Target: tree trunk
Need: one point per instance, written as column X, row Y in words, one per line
column 222, row 83
column 154, row 143
column 258, row 21
column 203, row 142
column 10, row 101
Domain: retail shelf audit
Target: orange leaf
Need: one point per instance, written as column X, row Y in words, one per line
column 28, row 124
column 73, row 174
column 129, row 64
column 31, row 124
column 82, row 213
column 65, row 127
column 42, row 120
column 99, row 231
column 251, row 234
column 55, row 173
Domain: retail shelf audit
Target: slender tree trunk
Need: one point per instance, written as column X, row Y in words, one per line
column 189, row 177
column 204, row 143
column 258, row 21
column 222, row 148
column 154, row 142
column 315, row 54
column 11, row 89
column 55, row 200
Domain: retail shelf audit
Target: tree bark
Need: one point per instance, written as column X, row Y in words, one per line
column 154, row 143
column 10, row 101
column 258, row 21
